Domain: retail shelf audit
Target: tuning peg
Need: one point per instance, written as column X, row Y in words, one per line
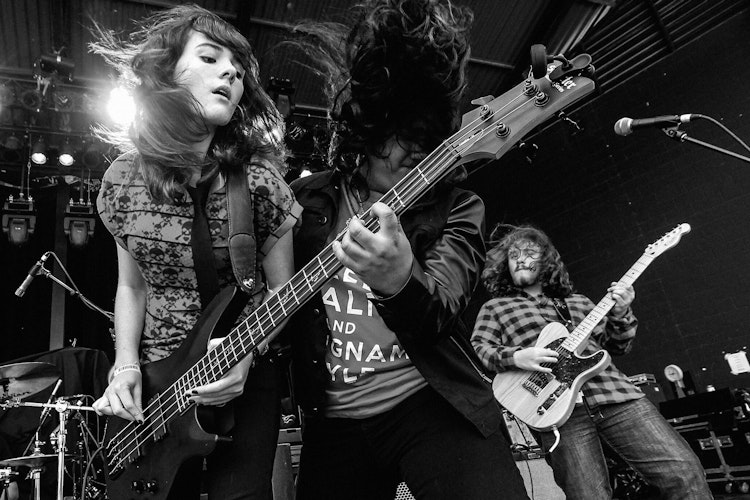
column 481, row 101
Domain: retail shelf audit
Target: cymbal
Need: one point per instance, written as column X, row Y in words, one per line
column 21, row 380
column 32, row 461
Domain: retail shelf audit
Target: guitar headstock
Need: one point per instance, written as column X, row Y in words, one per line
column 668, row 240
column 497, row 124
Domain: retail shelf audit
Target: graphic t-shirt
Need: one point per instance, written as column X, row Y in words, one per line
column 369, row 370
column 157, row 236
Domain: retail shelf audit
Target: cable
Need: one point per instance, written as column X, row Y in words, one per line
column 724, row 128
column 77, row 292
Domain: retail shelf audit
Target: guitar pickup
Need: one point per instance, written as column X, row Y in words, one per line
column 155, row 418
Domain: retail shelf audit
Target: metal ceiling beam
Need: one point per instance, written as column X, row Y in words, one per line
column 284, row 26
column 660, row 24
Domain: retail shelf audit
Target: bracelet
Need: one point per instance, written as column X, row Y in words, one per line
column 130, row 367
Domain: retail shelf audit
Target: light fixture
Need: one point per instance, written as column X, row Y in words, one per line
column 66, row 157
column 92, row 156
column 39, row 152
column 55, row 64
column 19, row 220
column 12, row 147
column 281, row 91
column 79, row 223
column 121, row 107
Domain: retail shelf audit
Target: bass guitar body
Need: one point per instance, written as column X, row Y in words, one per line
column 546, row 400
column 148, row 455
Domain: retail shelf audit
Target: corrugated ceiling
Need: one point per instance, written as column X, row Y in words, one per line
column 622, row 36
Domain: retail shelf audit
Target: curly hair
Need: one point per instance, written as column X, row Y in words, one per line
column 399, row 70
column 168, row 119
column 496, row 275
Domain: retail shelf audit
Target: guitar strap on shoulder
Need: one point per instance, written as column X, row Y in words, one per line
column 241, row 239
column 200, row 242
column 562, row 310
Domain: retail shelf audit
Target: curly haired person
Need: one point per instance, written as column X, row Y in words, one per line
column 390, row 386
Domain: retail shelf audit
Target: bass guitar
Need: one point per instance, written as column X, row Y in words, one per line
column 142, row 459
column 544, row 401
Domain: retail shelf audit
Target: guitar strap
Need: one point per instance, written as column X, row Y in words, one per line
column 241, row 238
column 241, row 232
column 242, row 247
column 562, row 310
column 200, row 241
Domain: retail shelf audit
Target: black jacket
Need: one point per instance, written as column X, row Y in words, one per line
column 446, row 235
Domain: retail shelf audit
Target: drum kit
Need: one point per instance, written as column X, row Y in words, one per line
column 18, row 382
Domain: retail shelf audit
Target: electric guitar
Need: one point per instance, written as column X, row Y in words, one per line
column 142, row 460
column 546, row 400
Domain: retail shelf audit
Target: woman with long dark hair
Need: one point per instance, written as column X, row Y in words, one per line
column 200, row 115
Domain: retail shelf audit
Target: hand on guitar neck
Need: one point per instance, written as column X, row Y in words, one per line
column 623, row 295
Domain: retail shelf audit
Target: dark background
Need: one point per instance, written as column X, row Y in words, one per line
column 602, row 199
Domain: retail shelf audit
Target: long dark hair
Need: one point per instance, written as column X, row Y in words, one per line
column 168, row 119
column 398, row 69
column 496, row 276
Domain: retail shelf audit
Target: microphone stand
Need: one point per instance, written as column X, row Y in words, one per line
column 43, row 271
column 681, row 136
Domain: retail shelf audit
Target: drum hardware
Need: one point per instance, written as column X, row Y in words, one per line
column 36, row 460
column 7, row 476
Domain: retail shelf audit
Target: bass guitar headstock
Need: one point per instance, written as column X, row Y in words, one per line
column 498, row 123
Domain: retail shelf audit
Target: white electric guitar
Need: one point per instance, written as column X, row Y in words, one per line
column 545, row 400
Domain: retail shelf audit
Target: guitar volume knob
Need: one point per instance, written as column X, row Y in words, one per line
column 137, row 486
column 152, row 486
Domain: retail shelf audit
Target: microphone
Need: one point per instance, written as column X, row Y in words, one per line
column 32, row 274
column 46, row 409
column 625, row 126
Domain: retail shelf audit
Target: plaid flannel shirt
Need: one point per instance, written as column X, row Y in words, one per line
column 507, row 324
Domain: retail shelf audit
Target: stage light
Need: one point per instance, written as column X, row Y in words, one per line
column 55, row 64
column 92, row 156
column 281, row 91
column 79, row 223
column 39, row 152
column 121, row 106
column 32, row 99
column 12, row 149
column 19, row 220
column 66, row 157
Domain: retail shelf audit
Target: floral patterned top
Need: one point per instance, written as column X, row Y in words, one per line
column 157, row 236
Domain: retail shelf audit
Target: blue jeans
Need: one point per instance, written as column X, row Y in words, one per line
column 423, row 441
column 637, row 432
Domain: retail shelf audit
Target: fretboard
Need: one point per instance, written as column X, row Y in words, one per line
column 310, row 279
column 581, row 333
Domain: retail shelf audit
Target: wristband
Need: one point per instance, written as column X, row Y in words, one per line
column 130, row 367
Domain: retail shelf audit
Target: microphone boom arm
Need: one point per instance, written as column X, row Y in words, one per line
column 75, row 293
column 681, row 136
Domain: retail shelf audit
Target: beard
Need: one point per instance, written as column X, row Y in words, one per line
column 525, row 277
column 524, row 280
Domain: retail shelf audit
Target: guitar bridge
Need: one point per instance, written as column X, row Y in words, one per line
column 536, row 382
column 551, row 399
